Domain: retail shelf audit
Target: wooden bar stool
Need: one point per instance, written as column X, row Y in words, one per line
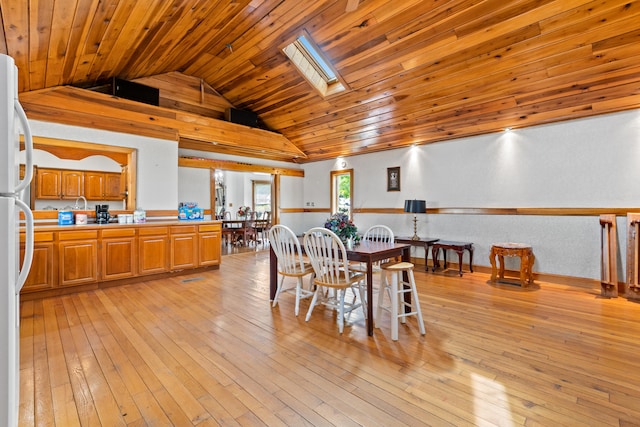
column 398, row 287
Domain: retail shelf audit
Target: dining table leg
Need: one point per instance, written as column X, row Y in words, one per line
column 370, row 298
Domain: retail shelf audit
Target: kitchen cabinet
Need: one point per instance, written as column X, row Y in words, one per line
column 77, row 257
column 153, row 250
column 59, row 184
column 119, row 253
column 184, row 247
column 71, row 184
column 103, row 186
column 42, row 274
column 69, row 258
column 209, row 240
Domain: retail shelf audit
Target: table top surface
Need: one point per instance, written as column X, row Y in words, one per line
column 452, row 243
column 422, row 240
column 511, row 245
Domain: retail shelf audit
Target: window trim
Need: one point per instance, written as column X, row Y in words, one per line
column 333, row 184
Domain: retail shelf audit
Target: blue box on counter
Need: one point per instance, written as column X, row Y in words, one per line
column 190, row 213
column 65, row 218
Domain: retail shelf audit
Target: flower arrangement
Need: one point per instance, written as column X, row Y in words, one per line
column 244, row 210
column 340, row 224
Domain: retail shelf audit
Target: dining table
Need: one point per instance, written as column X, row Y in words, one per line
column 367, row 252
column 239, row 227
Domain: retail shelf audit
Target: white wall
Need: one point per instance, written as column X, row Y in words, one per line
column 157, row 184
column 194, row 186
column 583, row 163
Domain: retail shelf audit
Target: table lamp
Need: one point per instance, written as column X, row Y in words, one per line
column 415, row 207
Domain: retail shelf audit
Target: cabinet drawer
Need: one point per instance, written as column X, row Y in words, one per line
column 153, row 231
column 77, row 235
column 183, row 229
column 118, row 232
column 44, row 236
column 210, row 227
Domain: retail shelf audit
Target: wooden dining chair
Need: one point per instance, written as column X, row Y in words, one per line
column 228, row 233
column 249, row 231
column 333, row 278
column 286, row 246
column 263, row 226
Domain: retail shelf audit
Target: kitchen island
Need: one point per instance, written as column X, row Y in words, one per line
column 70, row 258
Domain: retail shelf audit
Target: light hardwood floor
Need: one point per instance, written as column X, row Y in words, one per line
column 208, row 349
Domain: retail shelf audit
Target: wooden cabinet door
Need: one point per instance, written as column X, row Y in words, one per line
column 112, row 186
column 93, row 185
column 119, row 258
column 48, row 184
column 153, row 254
column 42, row 274
column 209, row 250
column 184, row 251
column 209, row 239
column 78, row 262
column 72, row 184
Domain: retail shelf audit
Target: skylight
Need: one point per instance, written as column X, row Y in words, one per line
column 313, row 66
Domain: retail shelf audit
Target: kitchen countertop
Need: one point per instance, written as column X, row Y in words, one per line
column 93, row 225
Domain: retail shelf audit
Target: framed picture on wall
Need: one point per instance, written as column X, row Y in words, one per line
column 393, row 179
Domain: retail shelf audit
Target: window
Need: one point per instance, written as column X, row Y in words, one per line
column 306, row 56
column 342, row 191
column 261, row 197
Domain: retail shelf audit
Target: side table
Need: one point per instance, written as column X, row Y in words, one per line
column 458, row 247
column 425, row 242
column 525, row 252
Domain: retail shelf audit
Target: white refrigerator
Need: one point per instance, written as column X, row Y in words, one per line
column 13, row 273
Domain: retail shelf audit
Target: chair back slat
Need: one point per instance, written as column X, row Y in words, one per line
column 327, row 254
column 379, row 233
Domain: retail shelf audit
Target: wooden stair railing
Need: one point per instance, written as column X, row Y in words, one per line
column 633, row 256
column 608, row 256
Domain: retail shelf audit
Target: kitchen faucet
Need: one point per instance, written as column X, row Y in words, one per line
column 85, row 203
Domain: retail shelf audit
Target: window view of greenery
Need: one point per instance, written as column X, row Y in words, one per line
column 261, row 197
column 344, row 193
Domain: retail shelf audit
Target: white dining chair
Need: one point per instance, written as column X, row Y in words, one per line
column 287, row 248
column 333, row 278
column 375, row 233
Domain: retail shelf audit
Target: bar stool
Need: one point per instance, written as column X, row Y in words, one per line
column 396, row 290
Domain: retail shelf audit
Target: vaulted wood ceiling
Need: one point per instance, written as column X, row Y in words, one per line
column 417, row 71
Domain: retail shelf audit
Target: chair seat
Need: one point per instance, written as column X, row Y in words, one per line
column 397, row 266
column 308, row 268
column 343, row 281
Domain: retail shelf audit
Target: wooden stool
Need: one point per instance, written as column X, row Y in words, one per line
column 525, row 252
column 399, row 287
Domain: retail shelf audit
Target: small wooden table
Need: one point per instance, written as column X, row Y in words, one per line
column 525, row 252
column 458, row 247
column 427, row 242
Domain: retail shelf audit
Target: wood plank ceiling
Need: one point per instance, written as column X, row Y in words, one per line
column 417, row 71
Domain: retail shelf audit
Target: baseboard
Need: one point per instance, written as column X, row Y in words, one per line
column 579, row 282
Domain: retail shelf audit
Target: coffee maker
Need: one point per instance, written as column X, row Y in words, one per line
column 102, row 214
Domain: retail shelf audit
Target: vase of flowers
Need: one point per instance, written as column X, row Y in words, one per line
column 340, row 224
column 243, row 211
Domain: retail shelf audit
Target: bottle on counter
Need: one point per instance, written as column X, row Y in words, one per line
column 139, row 216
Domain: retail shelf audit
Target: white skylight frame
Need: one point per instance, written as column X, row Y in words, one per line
column 311, row 63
